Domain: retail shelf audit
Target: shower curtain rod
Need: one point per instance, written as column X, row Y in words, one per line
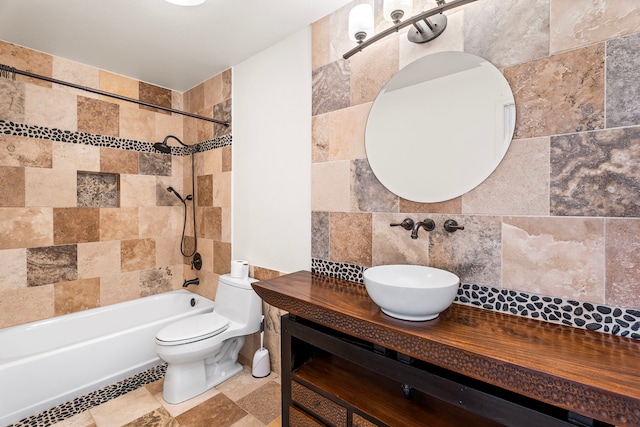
column 5, row 71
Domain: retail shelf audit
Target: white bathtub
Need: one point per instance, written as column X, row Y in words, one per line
column 49, row 362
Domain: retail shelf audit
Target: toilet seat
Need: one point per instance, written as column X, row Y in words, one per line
column 191, row 329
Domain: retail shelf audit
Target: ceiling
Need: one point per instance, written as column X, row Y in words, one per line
column 155, row 41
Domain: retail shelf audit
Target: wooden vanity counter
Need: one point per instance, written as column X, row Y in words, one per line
column 590, row 373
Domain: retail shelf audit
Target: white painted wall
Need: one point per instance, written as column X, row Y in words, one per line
column 271, row 222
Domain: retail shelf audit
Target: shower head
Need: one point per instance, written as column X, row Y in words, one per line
column 162, row 147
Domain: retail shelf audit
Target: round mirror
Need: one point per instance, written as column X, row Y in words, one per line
column 440, row 127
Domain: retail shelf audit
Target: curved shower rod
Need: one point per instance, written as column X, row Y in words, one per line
column 5, row 71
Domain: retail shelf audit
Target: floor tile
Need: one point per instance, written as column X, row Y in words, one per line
column 124, row 409
column 248, row 421
column 263, row 403
column 242, row 384
column 83, row 419
column 276, row 423
column 157, row 418
column 182, row 407
column 219, row 411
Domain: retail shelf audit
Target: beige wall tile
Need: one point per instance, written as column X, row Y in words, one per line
column 98, row 117
column 205, row 248
column 26, row 305
column 78, row 295
column 12, row 184
column 222, row 189
column 51, row 187
column 520, row 184
column 394, row 245
column 26, row 227
column 113, row 160
column 50, row 108
column 576, row 23
column 137, row 124
column 347, row 131
column 119, row 85
column 97, row 259
column 119, row 223
column 222, row 257
column 372, row 68
column 320, row 42
column 161, row 221
column 623, row 262
column 121, row 287
column 28, row 60
column 76, row 157
column 137, row 254
column 22, row 152
column 12, row 100
column 213, row 91
column 320, row 137
column 137, row 190
column 207, row 163
column 168, row 251
column 350, row 237
column 225, row 233
column 13, row 269
column 77, row 73
column 330, row 186
column 554, row 256
column 167, row 125
column 76, row 225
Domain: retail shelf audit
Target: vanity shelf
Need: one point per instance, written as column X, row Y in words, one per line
column 476, row 363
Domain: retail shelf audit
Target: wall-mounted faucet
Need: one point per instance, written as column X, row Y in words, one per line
column 195, row 281
column 428, row 224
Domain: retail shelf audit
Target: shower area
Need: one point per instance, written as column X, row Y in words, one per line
column 86, row 217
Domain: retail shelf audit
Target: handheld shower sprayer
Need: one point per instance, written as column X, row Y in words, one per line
column 183, row 200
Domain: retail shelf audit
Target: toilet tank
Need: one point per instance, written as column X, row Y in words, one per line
column 237, row 301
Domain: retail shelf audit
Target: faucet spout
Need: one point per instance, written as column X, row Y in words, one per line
column 195, row 281
column 427, row 224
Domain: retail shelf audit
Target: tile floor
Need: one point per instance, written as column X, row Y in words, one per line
column 242, row 401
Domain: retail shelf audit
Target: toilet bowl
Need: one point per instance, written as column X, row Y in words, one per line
column 202, row 351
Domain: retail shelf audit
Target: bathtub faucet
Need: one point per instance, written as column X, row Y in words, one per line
column 195, row 281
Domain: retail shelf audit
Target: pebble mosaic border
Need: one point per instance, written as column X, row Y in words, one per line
column 58, row 135
column 90, row 400
column 624, row 322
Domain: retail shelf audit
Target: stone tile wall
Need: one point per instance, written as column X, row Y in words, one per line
column 559, row 217
column 85, row 217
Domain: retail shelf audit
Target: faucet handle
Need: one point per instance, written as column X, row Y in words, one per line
column 451, row 225
column 407, row 224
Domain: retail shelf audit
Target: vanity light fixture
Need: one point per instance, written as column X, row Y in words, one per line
column 427, row 25
column 187, row 2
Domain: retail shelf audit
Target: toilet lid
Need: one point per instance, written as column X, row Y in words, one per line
column 192, row 329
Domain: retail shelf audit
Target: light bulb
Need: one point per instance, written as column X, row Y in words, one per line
column 187, row 2
column 361, row 22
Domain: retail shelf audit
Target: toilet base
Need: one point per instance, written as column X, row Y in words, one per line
column 184, row 381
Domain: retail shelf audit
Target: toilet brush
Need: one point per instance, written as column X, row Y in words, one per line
column 261, row 365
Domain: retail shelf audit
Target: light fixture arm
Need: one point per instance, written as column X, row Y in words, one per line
column 442, row 7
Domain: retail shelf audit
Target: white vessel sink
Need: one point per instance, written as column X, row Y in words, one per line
column 411, row 292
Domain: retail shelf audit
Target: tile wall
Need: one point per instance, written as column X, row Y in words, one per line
column 85, row 217
column 560, row 215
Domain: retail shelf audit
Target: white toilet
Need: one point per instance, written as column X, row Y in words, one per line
column 202, row 351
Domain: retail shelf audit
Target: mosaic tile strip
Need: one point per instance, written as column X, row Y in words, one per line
column 624, row 322
column 58, row 135
column 90, row 400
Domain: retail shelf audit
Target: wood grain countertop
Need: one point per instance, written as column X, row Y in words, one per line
column 590, row 373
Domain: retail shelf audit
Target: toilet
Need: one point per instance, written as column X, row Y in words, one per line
column 202, row 351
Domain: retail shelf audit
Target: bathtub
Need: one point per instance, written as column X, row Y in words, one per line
column 49, row 362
